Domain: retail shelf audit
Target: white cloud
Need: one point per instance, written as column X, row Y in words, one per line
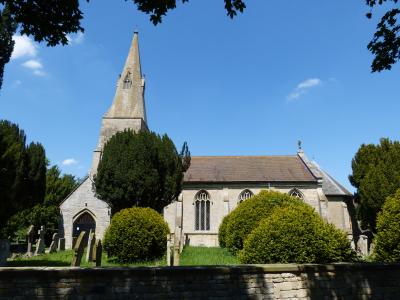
column 76, row 39
column 309, row 83
column 33, row 64
column 303, row 87
column 24, row 47
column 36, row 66
column 69, row 162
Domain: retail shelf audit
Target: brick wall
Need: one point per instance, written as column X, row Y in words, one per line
column 341, row 281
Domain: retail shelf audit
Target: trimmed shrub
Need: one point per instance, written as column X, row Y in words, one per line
column 136, row 234
column 295, row 234
column 387, row 239
column 249, row 213
column 222, row 231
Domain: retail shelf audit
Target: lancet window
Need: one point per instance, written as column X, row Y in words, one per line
column 202, row 211
column 244, row 195
column 296, row 193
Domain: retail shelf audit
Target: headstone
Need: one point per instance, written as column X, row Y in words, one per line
column 4, row 251
column 61, row 244
column 97, row 253
column 40, row 247
column 29, row 237
column 78, row 250
column 176, row 255
column 362, row 245
column 90, row 245
column 169, row 250
column 54, row 243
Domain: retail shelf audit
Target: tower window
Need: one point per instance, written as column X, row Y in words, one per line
column 202, row 211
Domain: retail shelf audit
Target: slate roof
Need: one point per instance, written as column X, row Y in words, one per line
column 248, row 169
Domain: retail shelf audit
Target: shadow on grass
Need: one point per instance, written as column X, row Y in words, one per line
column 37, row 263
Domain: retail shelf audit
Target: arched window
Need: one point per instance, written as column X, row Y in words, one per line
column 296, row 193
column 202, row 211
column 127, row 81
column 244, row 195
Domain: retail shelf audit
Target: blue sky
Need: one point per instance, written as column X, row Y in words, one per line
column 279, row 72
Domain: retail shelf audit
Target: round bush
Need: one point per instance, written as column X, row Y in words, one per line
column 387, row 239
column 136, row 234
column 249, row 213
column 222, row 231
column 295, row 234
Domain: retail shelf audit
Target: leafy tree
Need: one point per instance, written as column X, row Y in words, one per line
column 22, row 171
column 58, row 187
column 139, row 169
column 46, row 212
column 387, row 247
column 36, row 174
column 385, row 44
column 376, row 175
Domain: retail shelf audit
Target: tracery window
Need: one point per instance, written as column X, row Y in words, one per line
column 296, row 193
column 244, row 195
column 127, row 81
column 202, row 211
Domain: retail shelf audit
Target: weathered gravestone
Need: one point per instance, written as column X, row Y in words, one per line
column 40, row 247
column 97, row 253
column 4, row 251
column 29, row 237
column 90, row 245
column 61, row 244
column 54, row 243
column 78, row 250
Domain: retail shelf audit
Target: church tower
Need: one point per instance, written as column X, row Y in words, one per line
column 128, row 110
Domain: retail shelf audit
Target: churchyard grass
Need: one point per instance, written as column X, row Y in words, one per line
column 196, row 256
column 191, row 256
column 64, row 258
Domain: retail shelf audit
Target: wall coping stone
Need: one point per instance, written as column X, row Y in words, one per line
column 186, row 270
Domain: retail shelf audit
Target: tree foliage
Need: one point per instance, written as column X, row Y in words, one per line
column 387, row 239
column 140, row 169
column 295, row 234
column 22, row 171
column 47, row 212
column 376, row 175
column 385, row 45
column 58, row 186
column 136, row 234
column 246, row 216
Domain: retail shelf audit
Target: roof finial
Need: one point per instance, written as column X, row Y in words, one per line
column 136, row 31
column 299, row 149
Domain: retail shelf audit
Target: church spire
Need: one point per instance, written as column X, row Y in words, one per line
column 129, row 96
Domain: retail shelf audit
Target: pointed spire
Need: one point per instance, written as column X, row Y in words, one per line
column 129, row 96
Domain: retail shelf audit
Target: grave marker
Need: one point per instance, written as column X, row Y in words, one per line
column 54, row 243
column 78, row 250
column 40, row 247
column 29, row 237
column 90, row 245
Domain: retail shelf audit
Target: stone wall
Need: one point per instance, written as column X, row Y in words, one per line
column 339, row 281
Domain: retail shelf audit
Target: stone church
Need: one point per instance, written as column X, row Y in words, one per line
column 213, row 185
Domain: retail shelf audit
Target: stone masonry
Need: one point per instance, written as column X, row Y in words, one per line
column 337, row 281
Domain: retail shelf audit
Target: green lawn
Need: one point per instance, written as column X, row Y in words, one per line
column 196, row 256
column 191, row 256
column 64, row 258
